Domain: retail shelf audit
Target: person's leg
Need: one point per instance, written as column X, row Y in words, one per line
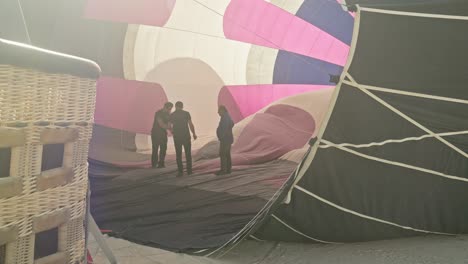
column 222, row 157
column 162, row 153
column 178, row 149
column 188, row 155
column 228, row 158
column 155, row 150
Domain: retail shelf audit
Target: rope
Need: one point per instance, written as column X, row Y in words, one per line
column 28, row 38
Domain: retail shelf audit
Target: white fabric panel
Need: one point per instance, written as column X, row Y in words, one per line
column 143, row 143
column 208, row 64
column 261, row 65
column 292, row 6
column 296, row 155
column 128, row 52
column 193, row 16
column 217, row 5
column 168, row 43
column 192, row 60
column 315, row 103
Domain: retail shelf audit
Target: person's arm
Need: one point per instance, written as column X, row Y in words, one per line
column 161, row 123
column 222, row 128
column 191, row 126
column 170, row 127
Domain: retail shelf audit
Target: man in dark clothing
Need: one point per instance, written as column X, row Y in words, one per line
column 224, row 133
column 159, row 135
column 181, row 122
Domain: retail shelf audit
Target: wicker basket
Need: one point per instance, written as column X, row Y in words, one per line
column 47, row 103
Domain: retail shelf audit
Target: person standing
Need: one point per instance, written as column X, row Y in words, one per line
column 226, row 138
column 159, row 135
column 181, row 123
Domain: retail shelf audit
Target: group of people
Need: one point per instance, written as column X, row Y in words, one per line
column 180, row 124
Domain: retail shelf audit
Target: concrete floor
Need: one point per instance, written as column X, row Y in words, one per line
column 420, row 250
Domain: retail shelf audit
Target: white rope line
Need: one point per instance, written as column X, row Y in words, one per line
column 300, row 233
column 409, row 119
column 394, row 163
column 366, row 216
column 413, row 14
column 394, row 140
column 49, row 52
column 311, row 156
column 395, row 91
column 257, row 239
column 201, row 251
column 26, row 29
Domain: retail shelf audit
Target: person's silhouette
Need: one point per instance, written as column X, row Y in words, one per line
column 181, row 123
column 159, row 135
column 226, row 138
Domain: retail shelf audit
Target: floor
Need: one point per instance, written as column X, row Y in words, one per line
column 420, row 250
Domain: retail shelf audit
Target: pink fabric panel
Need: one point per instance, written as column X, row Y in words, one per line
column 128, row 105
column 245, row 100
column 225, row 98
column 261, row 23
column 270, row 135
column 145, row 12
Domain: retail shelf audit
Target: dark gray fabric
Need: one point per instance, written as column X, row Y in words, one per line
column 156, row 208
column 5, row 160
column 414, row 54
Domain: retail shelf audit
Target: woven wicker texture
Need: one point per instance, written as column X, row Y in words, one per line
column 38, row 108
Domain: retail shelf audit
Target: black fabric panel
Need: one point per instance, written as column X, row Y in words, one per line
column 52, row 156
column 429, row 56
column 428, row 153
column 388, row 192
column 2, row 254
column 324, row 222
column 436, row 115
column 446, row 7
column 421, row 55
column 46, row 243
column 30, row 57
column 461, row 141
column 5, row 161
column 359, row 119
column 281, row 233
